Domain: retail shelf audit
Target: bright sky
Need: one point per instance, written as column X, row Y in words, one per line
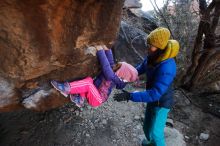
column 146, row 4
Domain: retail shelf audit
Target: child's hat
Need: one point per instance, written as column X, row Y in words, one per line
column 159, row 37
column 127, row 72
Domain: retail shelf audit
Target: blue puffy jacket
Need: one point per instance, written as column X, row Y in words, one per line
column 159, row 83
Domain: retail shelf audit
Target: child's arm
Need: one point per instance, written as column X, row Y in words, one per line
column 107, row 70
column 109, row 55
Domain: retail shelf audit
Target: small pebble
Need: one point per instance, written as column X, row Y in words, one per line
column 186, row 137
column 104, row 122
column 136, row 117
column 87, row 135
column 204, row 136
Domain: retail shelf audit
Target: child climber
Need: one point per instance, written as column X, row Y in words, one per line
column 97, row 92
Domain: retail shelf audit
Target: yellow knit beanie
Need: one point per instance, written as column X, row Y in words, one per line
column 171, row 50
column 159, row 37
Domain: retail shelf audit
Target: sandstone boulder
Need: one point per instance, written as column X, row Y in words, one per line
column 46, row 39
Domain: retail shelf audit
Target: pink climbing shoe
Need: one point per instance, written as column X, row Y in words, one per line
column 62, row 87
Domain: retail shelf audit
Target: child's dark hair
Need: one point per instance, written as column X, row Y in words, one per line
column 116, row 66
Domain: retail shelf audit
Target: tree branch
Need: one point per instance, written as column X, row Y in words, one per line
column 136, row 52
column 164, row 19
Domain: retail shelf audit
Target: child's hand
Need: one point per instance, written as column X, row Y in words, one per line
column 99, row 47
column 104, row 47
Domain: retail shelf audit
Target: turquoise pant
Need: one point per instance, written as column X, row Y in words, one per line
column 154, row 124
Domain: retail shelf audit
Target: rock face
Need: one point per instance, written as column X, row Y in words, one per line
column 174, row 137
column 139, row 19
column 130, row 44
column 132, row 4
column 44, row 40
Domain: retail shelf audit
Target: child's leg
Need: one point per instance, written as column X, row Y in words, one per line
column 86, row 89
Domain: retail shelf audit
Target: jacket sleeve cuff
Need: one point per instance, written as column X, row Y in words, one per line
column 134, row 97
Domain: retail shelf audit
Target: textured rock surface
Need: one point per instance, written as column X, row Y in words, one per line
column 112, row 124
column 139, row 19
column 44, row 40
column 130, row 45
column 132, row 4
column 174, row 137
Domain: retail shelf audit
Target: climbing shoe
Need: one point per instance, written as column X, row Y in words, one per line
column 62, row 87
column 77, row 99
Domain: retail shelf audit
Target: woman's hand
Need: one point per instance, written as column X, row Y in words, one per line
column 124, row 96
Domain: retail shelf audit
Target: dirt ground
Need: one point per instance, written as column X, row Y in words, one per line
column 112, row 124
column 192, row 117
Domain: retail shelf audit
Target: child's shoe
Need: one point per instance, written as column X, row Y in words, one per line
column 62, row 87
column 77, row 99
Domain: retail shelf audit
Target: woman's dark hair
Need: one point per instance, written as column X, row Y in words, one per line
column 152, row 58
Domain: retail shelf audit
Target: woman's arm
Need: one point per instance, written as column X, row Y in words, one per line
column 163, row 80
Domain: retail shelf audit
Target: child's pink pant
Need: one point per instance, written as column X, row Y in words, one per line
column 87, row 89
